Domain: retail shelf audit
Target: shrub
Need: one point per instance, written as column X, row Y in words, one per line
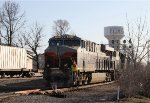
column 135, row 81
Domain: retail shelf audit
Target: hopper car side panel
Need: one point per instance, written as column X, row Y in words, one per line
column 14, row 61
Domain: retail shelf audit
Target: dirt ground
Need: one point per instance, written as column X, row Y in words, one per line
column 97, row 94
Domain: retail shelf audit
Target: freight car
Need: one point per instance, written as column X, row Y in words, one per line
column 95, row 62
column 14, row 61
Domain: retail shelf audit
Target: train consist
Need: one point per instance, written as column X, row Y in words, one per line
column 14, row 61
column 95, row 62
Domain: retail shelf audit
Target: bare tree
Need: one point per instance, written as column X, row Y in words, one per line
column 20, row 42
column 137, row 41
column 33, row 41
column 133, row 77
column 61, row 27
column 12, row 21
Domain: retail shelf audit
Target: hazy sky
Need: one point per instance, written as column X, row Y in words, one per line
column 87, row 18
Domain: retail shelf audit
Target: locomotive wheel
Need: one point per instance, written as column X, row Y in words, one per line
column 23, row 75
column 108, row 77
column 80, row 79
column 85, row 79
column 11, row 75
column 3, row 75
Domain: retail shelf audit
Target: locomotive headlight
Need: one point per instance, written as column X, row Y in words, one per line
column 47, row 65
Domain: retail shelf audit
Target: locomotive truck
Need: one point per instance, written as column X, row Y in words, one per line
column 95, row 62
column 14, row 61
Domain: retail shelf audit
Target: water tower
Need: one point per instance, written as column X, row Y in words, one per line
column 114, row 34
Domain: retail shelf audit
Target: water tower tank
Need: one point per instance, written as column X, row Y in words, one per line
column 114, row 34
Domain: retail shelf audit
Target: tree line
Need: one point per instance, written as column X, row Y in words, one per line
column 135, row 75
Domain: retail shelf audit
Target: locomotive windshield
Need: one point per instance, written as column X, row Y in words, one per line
column 67, row 40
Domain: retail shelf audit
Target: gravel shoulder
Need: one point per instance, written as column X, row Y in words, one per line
column 16, row 84
column 98, row 94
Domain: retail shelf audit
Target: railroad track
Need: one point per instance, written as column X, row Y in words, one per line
column 37, row 75
column 49, row 91
column 6, row 95
column 15, row 78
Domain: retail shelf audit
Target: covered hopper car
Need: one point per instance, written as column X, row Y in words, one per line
column 14, row 61
column 95, row 62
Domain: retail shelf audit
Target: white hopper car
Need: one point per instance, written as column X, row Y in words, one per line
column 14, row 61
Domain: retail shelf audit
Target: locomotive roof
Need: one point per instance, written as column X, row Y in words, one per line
column 69, row 37
column 66, row 36
column 74, row 37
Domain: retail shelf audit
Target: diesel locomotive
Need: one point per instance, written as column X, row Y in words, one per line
column 95, row 62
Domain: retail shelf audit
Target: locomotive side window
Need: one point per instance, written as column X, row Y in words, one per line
column 76, row 42
column 52, row 43
column 64, row 42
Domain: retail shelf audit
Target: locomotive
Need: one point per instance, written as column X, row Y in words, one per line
column 95, row 62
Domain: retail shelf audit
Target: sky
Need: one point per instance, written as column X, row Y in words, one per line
column 87, row 18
